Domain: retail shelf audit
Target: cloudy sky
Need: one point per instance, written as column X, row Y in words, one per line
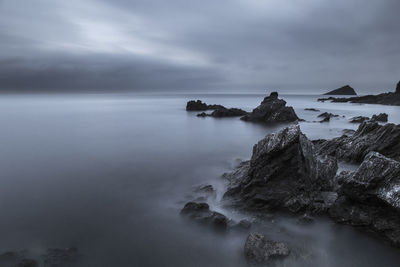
column 208, row 45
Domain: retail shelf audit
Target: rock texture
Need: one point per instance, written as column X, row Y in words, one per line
column 370, row 136
column 201, row 213
column 258, row 249
column 382, row 117
column 284, row 173
column 370, row 197
column 359, row 119
column 312, row 109
column 326, row 117
column 398, row 88
column 272, row 109
column 345, row 90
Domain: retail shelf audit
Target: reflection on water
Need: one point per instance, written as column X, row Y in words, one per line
column 109, row 173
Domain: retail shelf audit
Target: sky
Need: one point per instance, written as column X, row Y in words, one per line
column 293, row 46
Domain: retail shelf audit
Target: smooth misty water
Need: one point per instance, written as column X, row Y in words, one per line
column 109, row 174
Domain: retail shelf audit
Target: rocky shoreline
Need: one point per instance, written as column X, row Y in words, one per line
column 290, row 173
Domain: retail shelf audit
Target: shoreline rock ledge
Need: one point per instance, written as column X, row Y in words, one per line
column 272, row 109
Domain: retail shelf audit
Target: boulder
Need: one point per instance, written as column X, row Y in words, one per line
column 370, row 197
column 272, row 110
column 382, row 117
column 284, row 173
column 359, row 119
column 345, row 90
column 258, row 249
column 200, row 212
column 370, row 136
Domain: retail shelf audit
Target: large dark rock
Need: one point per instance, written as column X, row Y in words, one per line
column 272, row 109
column 370, row 136
column 224, row 112
column 398, row 88
column 283, row 173
column 370, row 197
column 359, row 119
column 201, row 213
column 258, row 249
column 345, row 90
column 382, row 117
column 197, row 105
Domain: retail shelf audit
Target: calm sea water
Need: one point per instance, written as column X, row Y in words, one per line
column 108, row 173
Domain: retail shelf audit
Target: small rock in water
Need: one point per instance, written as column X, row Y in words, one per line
column 203, row 114
column 312, row 109
column 201, row 212
column 258, row 249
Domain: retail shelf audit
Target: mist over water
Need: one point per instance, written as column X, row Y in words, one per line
column 109, row 173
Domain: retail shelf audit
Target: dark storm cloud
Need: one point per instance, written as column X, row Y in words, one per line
column 242, row 45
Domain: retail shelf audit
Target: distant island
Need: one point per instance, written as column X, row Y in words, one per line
column 345, row 90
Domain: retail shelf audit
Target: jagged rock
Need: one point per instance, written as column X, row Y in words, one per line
column 382, row 117
column 57, row 257
column 359, row 119
column 272, row 110
column 201, row 212
column 312, row 109
column 398, row 88
column 370, row 136
column 326, row 116
column 283, row 173
column 258, row 249
column 345, row 90
column 196, row 105
column 370, row 197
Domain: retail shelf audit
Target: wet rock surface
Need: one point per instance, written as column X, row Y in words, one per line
column 359, row 119
column 370, row 136
column 382, row 117
column 370, row 198
column 272, row 109
column 345, row 90
column 284, row 173
column 260, row 250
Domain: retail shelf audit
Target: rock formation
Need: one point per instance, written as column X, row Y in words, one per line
column 326, row 117
column 284, row 173
column 224, row 112
column 198, row 105
column 382, row 117
column 370, row 136
column 398, row 88
column 370, row 197
column 272, row 109
column 345, row 90
column 201, row 213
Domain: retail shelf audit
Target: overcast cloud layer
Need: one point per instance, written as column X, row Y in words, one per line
column 208, row 45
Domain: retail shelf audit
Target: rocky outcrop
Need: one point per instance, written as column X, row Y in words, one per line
column 260, row 250
column 370, row 136
column 326, row 117
column 200, row 212
column 272, row 109
column 198, row 105
column 383, row 99
column 284, row 173
column 382, row 117
column 398, row 88
column 224, row 112
column 345, row 90
column 370, row 197
column 359, row 119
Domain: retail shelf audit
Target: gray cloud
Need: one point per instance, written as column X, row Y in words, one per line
column 231, row 45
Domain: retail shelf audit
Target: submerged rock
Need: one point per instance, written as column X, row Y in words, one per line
column 284, row 173
column 382, row 117
column 370, row 136
column 272, row 109
column 326, row 116
column 370, row 197
column 312, row 109
column 345, row 90
column 201, row 213
column 258, row 249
